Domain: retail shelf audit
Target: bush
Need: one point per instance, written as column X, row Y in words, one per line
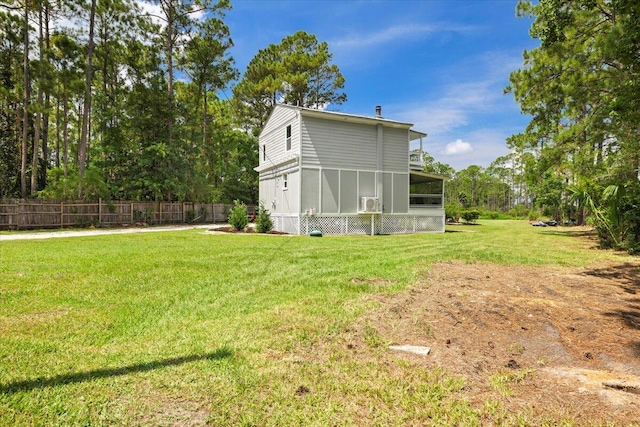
column 452, row 210
column 519, row 211
column 263, row 221
column 238, row 216
column 470, row 215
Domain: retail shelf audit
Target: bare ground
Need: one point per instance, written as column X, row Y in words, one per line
column 562, row 343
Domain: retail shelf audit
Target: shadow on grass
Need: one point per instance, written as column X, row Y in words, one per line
column 78, row 377
column 570, row 233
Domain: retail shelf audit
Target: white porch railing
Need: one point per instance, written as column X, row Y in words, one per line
column 415, row 161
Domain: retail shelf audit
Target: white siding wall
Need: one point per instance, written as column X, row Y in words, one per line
column 288, row 200
column 274, row 135
column 396, row 150
column 267, row 193
column 275, row 197
column 338, row 145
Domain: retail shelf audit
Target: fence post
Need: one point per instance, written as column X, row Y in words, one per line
column 131, row 212
column 61, row 214
column 100, row 211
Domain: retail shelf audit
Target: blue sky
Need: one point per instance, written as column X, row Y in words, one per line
column 441, row 65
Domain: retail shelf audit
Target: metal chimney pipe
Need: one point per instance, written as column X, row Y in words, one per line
column 378, row 111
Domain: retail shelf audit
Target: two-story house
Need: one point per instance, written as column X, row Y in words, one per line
column 346, row 174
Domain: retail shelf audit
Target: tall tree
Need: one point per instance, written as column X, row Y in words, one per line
column 296, row 71
column 26, row 83
column 10, row 103
column 180, row 17
column 86, row 111
column 207, row 62
column 580, row 87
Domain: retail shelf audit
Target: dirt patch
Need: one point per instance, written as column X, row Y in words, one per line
column 558, row 341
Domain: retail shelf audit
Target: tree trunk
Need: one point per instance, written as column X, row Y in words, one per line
column 65, row 135
column 82, row 149
column 25, row 112
column 38, row 124
column 204, row 117
column 57, row 132
column 170, row 12
column 47, row 96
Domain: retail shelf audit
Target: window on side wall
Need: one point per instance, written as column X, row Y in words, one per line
column 285, row 181
column 264, row 153
column 288, row 137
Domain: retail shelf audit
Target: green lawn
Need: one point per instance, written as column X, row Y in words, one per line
column 188, row 328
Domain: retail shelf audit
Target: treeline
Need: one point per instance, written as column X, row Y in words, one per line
column 578, row 159
column 104, row 99
column 581, row 87
column 498, row 191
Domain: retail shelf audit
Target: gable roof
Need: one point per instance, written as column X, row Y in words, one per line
column 352, row 118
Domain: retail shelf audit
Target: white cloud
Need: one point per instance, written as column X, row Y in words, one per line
column 452, row 110
column 385, row 35
column 457, row 147
column 157, row 15
column 153, row 10
column 394, row 33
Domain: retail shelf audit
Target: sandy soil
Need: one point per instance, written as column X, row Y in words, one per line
column 565, row 341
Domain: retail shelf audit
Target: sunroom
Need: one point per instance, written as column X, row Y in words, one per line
column 426, row 191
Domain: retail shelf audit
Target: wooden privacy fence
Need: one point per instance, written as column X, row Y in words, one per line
column 29, row 214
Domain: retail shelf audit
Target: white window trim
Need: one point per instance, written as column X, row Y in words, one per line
column 287, row 143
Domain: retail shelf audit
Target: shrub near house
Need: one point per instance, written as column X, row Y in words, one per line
column 470, row 216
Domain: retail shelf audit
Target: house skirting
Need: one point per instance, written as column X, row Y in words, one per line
column 366, row 224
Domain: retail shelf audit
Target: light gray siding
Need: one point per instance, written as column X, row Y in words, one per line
column 334, row 160
column 273, row 136
column 310, row 189
column 387, row 196
column 348, row 192
column 395, row 150
column 366, row 184
column 276, row 198
column 400, row 193
column 330, row 190
column 338, row 145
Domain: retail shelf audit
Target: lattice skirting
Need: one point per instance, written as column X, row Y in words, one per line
column 287, row 223
column 359, row 224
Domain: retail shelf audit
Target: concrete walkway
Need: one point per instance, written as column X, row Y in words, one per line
column 97, row 232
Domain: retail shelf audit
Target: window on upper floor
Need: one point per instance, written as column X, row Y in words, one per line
column 288, row 146
column 264, row 152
